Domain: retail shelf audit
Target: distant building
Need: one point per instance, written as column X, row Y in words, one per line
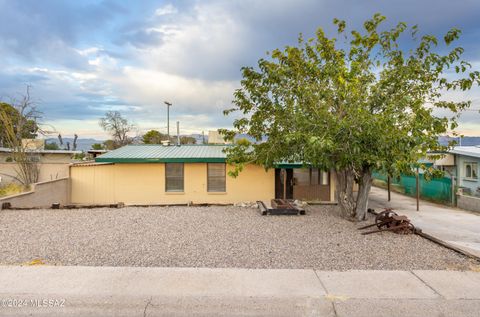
column 52, row 164
column 215, row 137
column 467, row 161
column 33, row 144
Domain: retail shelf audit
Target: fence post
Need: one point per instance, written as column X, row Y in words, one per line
column 452, row 177
column 418, row 189
column 388, row 186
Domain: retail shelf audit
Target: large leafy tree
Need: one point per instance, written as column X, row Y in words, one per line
column 351, row 106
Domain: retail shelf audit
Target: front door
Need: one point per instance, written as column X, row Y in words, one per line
column 283, row 183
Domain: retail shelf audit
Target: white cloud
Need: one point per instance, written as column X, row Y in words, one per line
column 206, row 43
column 166, row 10
column 150, row 88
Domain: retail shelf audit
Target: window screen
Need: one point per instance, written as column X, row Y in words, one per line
column 216, row 177
column 302, row 176
column 174, row 177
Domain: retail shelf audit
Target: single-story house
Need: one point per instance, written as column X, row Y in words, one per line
column 180, row 174
column 52, row 164
column 467, row 161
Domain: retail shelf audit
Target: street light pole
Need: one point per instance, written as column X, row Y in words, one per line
column 169, row 104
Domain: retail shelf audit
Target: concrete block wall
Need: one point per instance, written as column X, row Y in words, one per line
column 42, row 195
column 468, row 203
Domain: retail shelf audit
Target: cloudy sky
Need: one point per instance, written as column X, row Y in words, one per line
column 86, row 57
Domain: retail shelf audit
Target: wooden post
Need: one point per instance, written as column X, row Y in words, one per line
column 388, row 186
column 418, row 189
column 284, row 183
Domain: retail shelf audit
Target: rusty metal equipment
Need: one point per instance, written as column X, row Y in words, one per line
column 388, row 220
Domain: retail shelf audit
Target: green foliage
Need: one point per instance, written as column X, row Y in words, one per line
column 52, row 146
column 154, row 137
column 187, row 140
column 363, row 105
column 79, row 156
column 98, row 146
column 110, row 145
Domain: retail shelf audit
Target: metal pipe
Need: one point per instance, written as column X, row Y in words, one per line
column 169, row 104
column 178, row 133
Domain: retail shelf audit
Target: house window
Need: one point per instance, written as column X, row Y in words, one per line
column 216, row 181
column 174, row 177
column 471, row 170
column 313, row 176
column 301, row 176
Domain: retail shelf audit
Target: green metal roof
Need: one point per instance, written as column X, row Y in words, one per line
column 165, row 154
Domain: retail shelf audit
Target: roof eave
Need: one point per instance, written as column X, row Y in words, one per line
column 161, row 160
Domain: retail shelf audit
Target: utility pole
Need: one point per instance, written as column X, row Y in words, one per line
column 169, row 104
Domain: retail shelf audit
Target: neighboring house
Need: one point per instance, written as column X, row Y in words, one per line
column 95, row 153
column 467, row 159
column 52, row 164
column 160, row 174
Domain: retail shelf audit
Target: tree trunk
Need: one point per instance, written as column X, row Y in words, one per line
column 364, row 185
column 351, row 208
column 344, row 192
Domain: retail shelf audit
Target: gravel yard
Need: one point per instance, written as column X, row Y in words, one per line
column 211, row 237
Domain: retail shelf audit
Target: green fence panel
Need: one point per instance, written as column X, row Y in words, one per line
column 438, row 189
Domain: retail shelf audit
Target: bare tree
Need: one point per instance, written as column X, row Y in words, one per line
column 118, row 127
column 27, row 161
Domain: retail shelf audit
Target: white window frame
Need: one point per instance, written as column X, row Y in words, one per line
column 473, row 170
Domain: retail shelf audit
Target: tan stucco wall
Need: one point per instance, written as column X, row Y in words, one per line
column 41, row 195
column 48, row 171
column 144, row 184
column 52, row 166
column 44, row 157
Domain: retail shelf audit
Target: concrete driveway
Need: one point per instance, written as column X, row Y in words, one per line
column 457, row 227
